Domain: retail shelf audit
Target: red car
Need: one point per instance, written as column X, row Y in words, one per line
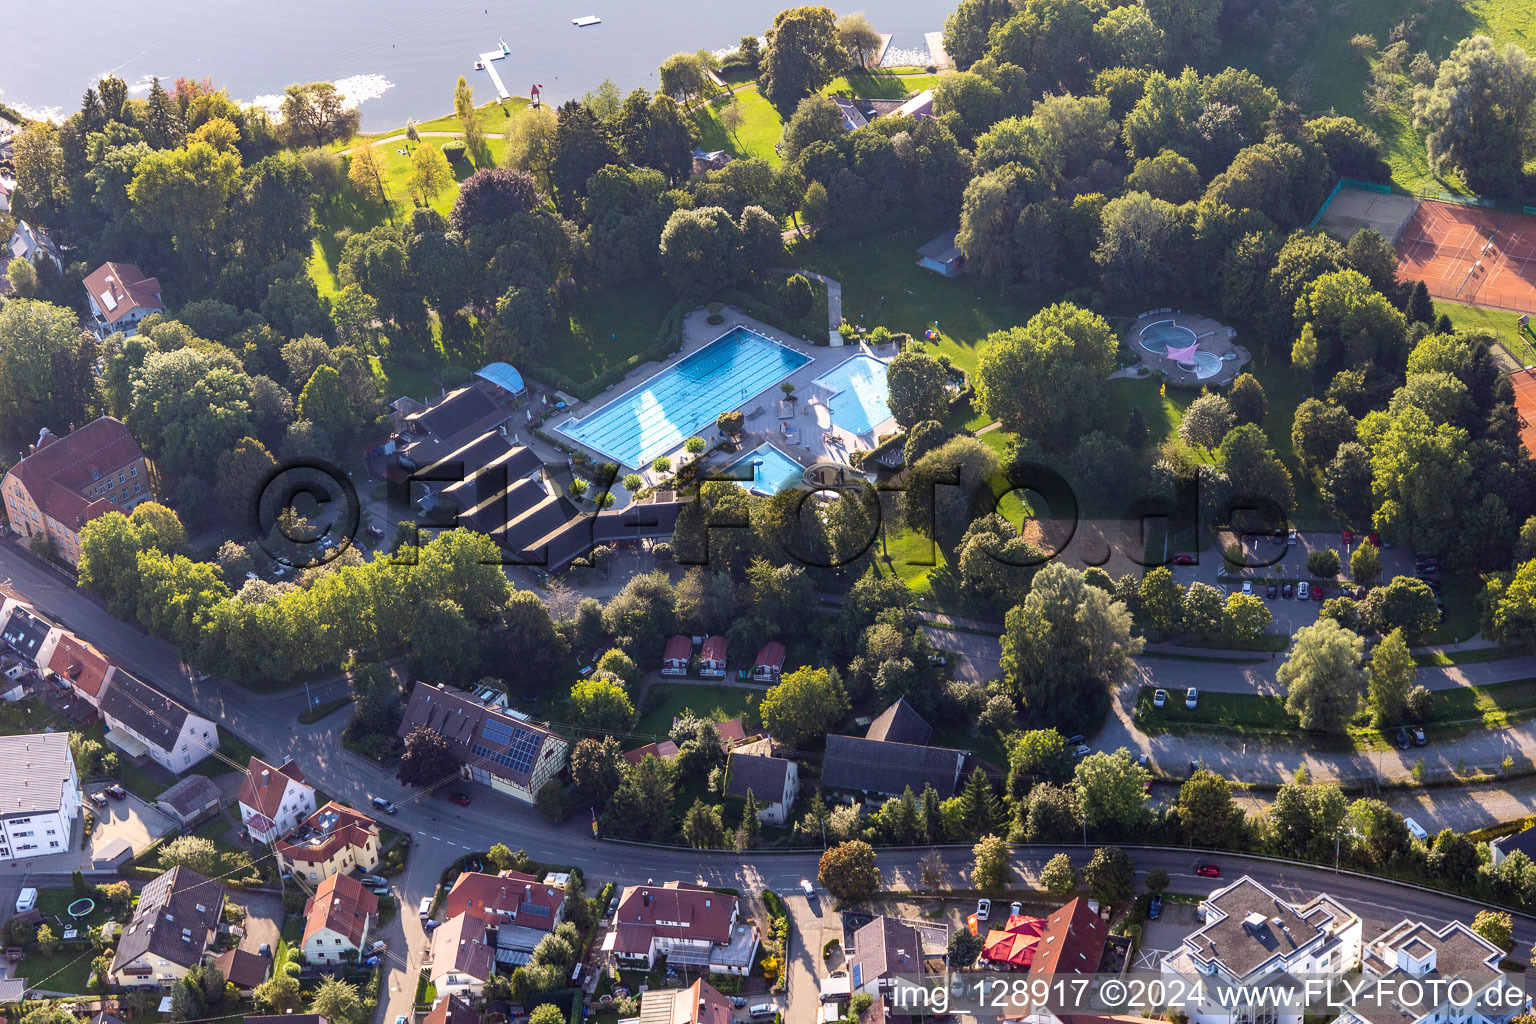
column 462, row 799
column 1374, row 539
column 1183, row 559
column 1207, row 870
column 1317, row 593
column 1146, row 787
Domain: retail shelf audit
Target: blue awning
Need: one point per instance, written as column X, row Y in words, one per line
column 504, row 376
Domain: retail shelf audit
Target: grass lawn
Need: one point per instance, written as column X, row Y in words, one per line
column 1474, row 656
column 629, row 314
column 879, row 85
column 714, row 702
column 1473, row 708
column 54, row 905
column 400, row 379
column 759, row 131
column 1496, row 322
column 62, row 971
column 27, row 716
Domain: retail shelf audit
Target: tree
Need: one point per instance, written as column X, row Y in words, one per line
column 1347, row 483
column 1319, row 429
column 428, row 758
column 491, row 195
column 848, row 871
column 1497, row 926
column 366, row 173
column 858, row 38
column 1136, row 429
column 1203, row 609
column 1244, row 617
column 684, row 75
column 641, row 808
column 1135, row 247
column 1065, row 648
column 816, row 119
column 918, row 386
column 430, row 175
column 1160, row 599
column 469, row 120
column 1169, row 176
column 1323, row 563
column 1365, row 565
column 802, row 55
column 1323, row 676
column 280, row 993
column 601, row 705
column 581, row 146
column 804, row 704
column 1391, row 673
column 316, row 113
column 977, row 810
column 1034, row 756
column 989, row 873
column 597, row 768
column 699, row 250
column 1044, row 380
column 1110, row 874
column 1157, row 881
column 931, row 870
column 193, row 852
column 1247, row 400
column 1405, row 603
column 41, row 352
column 23, row 277
column 1479, row 113
column 548, row 1013
column 702, row 826
column 1207, row 421
column 338, row 1001
column 1206, row 812
column 1111, row 789
column 1059, row 877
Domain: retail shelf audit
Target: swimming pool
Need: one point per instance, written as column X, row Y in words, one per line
column 765, row 469
column 656, row 415
column 1166, row 334
column 859, row 396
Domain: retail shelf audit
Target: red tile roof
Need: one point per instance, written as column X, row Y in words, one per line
column 341, row 904
column 666, row 750
column 244, row 968
column 771, row 654
column 699, row 1003
column 60, row 470
column 127, row 286
column 459, row 945
column 263, row 787
column 714, row 648
column 703, row 915
column 328, row 829
column 452, row 1010
column 80, row 663
column 509, row 895
column 679, row 648
column 1072, row 941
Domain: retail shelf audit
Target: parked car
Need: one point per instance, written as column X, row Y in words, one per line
column 938, row 660
column 1248, row 587
column 1207, row 870
column 99, row 799
column 1293, row 538
column 762, row 1010
column 265, row 949
column 1415, row 829
column 1270, row 593
column 1419, row 739
column 1285, row 591
column 1191, row 698
column 117, row 792
column 1402, row 738
column 1155, row 908
column 1183, row 559
column 1317, row 592
column 1075, row 739
column 1196, row 764
column 375, row 880
column 1081, row 750
column 1146, row 787
column 383, row 805
column 1159, row 697
column 460, row 798
column 424, row 908
column 983, row 908
column 1374, row 538
column 807, row 888
column 613, row 906
column 1303, row 590
column 738, row 1001
column 1015, row 909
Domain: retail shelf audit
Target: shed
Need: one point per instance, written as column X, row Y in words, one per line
column 769, row 663
column 191, row 800
column 712, row 657
column 675, row 658
column 941, row 255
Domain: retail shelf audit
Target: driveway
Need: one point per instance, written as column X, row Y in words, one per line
column 132, row 820
column 264, row 918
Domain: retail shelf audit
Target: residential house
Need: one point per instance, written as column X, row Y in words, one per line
column 41, row 796
column 1071, row 941
column 143, row 721
column 712, row 657
column 120, row 295
column 33, row 245
column 1251, row 936
column 65, row 482
column 1524, row 841
column 1410, row 950
column 23, row 633
column 463, row 956
column 243, row 969
column 173, row 924
column 333, row 840
column 7, row 194
column 774, row 783
column 521, row 909
column 942, row 255
column 499, row 748
column 710, row 160
column 874, row 764
column 900, row 723
column 687, row 923
column 191, row 800
column 273, row 801
column 769, row 663
column 337, row 919
column 69, row 661
column 664, row 749
column 452, row 1010
column 699, row 1003
column 918, row 106
column 882, row 949
column 676, row 656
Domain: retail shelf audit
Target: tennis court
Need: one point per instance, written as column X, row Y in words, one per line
column 1524, row 382
column 1471, row 255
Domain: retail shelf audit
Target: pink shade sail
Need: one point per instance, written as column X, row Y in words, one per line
column 1183, row 355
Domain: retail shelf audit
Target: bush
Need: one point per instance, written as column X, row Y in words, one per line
column 1324, row 563
column 796, row 296
column 454, row 150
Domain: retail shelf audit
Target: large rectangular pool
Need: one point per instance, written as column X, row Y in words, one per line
column 658, row 414
column 765, row 469
column 860, row 397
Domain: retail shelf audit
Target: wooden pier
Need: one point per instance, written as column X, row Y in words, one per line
column 499, row 53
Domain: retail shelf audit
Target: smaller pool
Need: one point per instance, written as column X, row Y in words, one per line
column 858, row 395
column 1207, row 364
column 765, row 469
column 1166, row 334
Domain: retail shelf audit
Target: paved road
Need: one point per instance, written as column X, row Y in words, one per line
column 443, row 833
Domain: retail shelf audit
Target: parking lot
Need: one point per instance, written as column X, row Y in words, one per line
column 1272, row 564
column 131, row 820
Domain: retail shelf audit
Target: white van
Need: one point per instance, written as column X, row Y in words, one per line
column 1415, row 829
column 26, row 900
column 425, row 910
column 762, row 1011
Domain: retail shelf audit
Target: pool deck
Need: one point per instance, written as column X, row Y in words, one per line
column 1212, row 336
column 819, row 439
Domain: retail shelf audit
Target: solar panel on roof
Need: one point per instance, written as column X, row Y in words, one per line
column 497, row 731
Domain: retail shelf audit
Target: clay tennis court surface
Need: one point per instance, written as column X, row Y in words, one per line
column 1525, row 405
column 1471, row 255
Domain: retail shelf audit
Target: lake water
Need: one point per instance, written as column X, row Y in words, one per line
column 398, row 58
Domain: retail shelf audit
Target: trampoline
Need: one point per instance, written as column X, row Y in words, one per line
column 74, row 909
